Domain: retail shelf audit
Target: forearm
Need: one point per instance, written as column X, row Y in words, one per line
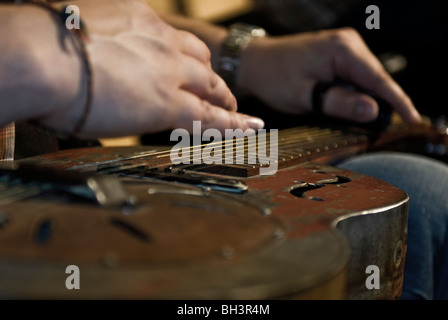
column 37, row 74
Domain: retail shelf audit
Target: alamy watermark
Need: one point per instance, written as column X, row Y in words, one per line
column 373, row 20
column 73, row 21
column 236, row 150
column 373, row 280
column 73, row 280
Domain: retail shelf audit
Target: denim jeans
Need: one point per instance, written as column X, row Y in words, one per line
column 425, row 180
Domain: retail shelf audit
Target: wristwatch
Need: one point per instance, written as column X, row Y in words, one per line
column 238, row 38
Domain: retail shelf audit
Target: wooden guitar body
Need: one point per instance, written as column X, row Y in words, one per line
column 158, row 231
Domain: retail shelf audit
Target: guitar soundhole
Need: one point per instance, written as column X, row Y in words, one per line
column 335, row 179
column 300, row 190
column 303, row 187
column 339, row 180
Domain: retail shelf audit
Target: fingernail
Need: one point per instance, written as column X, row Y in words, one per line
column 255, row 123
column 366, row 111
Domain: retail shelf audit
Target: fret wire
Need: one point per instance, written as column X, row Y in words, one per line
column 288, row 133
column 307, row 148
column 288, row 138
column 292, row 135
column 162, row 154
column 326, row 140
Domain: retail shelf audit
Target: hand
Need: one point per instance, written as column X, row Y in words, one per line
column 282, row 71
column 148, row 76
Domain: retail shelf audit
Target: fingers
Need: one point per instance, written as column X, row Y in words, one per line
column 394, row 94
column 191, row 72
column 200, row 79
column 206, row 84
column 357, row 64
column 379, row 83
column 191, row 108
column 192, row 46
column 345, row 103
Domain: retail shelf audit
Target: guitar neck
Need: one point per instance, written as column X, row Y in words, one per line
column 324, row 144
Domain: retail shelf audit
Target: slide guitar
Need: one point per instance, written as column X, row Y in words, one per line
column 138, row 227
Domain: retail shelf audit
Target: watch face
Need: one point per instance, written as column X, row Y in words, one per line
column 240, row 35
column 250, row 30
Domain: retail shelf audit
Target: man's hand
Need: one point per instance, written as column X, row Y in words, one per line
column 282, row 72
column 147, row 75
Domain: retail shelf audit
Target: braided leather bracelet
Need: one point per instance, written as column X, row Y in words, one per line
column 81, row 37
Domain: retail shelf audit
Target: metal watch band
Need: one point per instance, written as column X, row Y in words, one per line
column 239, row 37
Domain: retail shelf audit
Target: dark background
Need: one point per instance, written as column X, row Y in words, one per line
column 414, row 29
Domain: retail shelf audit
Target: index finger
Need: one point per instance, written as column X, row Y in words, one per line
column 190, row 108
column 361, row 67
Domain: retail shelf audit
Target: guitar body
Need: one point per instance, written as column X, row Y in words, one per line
column 311, row 231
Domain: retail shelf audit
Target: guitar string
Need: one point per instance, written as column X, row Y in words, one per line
column 165, row 154
column 299, row 139
column 293, row 135
column 304, row 135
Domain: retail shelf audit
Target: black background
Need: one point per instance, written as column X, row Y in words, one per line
column 414, row 29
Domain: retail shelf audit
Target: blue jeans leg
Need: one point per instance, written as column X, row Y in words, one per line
column 425, row 180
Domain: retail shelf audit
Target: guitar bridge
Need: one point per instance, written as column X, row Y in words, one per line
column 185, row 176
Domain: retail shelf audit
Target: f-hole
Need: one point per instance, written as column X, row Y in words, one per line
column 336, row 180
column 300, row 190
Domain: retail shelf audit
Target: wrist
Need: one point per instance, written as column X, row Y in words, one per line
column 234, row 49
column 46, row 72
column 253, row 66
